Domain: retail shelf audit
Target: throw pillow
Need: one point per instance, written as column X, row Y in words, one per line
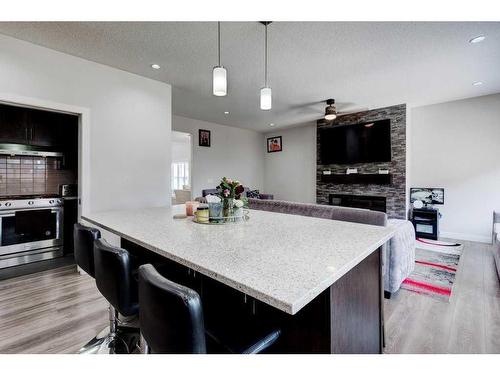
column 253, row 194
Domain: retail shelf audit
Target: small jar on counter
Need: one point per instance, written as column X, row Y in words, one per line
column 201, row 214
column 191, row 207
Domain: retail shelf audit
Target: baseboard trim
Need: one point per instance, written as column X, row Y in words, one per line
column 465, row 237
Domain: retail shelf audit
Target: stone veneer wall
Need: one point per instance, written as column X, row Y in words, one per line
column 395, row 193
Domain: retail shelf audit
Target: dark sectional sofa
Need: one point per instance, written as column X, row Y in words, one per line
column 354, row 215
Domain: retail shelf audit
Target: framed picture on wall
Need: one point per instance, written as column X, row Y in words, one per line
column 204, row 138
column 274, row 144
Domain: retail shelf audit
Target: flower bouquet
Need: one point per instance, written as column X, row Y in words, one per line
column 230, row 193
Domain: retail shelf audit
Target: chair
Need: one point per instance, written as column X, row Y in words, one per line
column 172, row 321
column 117, row 282
column 182, row 196
column 84, row 238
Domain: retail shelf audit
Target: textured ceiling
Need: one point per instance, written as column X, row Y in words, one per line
column 368, row 64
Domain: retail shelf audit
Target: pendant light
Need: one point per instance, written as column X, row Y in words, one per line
column 219, row 74
column 266, row 94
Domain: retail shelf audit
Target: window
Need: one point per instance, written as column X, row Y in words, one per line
column 180, row 175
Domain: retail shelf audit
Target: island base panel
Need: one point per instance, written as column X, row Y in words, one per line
column 345, row 318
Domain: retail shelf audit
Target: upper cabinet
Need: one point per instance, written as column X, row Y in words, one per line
column 13, row 125
column 44, row 128
column 31, row 127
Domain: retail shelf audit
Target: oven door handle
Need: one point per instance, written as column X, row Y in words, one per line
column 13, row 212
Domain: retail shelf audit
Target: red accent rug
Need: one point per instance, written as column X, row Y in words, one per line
column 436, row 264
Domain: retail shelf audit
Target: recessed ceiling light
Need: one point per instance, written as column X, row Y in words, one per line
column 478, row 83
column 271, row 124
column 155, row 66
column 477, row 39
column 226, row 112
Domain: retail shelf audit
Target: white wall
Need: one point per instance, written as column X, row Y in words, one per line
column 181, row 147
column 291, row 174
column 129, row 120
column 456, row 146
column 235, row 153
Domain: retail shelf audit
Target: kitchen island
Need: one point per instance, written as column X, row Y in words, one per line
column 319, row 280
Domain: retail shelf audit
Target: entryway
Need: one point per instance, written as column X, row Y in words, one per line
column 181, row 167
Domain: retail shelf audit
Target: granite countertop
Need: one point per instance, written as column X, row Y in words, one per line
column 280, row 259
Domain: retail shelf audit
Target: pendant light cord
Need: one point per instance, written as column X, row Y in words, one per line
column 218, row 42
column 265, row 58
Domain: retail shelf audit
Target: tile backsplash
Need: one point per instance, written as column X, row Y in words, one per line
column 31, row 175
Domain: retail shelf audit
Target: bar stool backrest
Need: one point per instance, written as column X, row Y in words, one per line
column 170, row 315
column 114, row 279
column 84, row 238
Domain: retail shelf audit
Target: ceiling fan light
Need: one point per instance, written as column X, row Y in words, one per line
column 266, row 98
column 219, row 81
column 330, row 113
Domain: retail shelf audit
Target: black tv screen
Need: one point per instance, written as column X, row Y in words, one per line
column 360, row 143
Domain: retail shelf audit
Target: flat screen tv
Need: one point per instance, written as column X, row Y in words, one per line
column 360, row 143
column 427, row 195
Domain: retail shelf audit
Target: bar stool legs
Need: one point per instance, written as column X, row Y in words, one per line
column 144, row 347
column 109, row 340
column 93, row 345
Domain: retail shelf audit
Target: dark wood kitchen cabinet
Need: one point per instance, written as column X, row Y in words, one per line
column 44, row 128
column 13, row 124
column 31, row 126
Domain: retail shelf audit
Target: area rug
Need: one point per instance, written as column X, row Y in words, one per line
column 436, row 264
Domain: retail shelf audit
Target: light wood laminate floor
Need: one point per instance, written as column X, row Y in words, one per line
column 55, row 311
column 58, row 311
column 469, row 323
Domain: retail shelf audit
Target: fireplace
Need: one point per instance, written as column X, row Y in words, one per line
column 382, row 192
column 375, row 203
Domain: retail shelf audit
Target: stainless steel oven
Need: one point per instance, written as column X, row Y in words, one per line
column 30, row 230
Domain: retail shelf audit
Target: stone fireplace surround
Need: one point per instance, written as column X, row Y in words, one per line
column 395, row 193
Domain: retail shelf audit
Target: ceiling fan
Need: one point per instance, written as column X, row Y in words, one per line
column 331, row 112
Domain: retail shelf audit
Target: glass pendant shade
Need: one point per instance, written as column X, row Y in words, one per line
column 219, row 81
column 266, row 98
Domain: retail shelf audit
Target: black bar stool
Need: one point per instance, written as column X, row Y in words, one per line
column 117, row 282
column 84, row 238
column 171, row 320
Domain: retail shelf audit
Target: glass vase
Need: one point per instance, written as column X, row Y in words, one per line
column 228, row 209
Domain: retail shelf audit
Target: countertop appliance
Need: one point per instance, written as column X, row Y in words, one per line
column 68, row 191
column 31, row 230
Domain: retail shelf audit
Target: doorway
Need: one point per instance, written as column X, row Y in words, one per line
column 180, row 173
